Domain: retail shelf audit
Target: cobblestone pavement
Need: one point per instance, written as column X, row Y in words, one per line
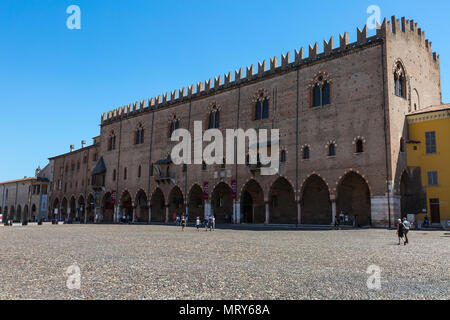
column 161, row 262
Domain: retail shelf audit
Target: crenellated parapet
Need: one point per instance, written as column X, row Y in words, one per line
column 393, row 28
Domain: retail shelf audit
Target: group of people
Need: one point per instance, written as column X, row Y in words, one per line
column 208, row 223
column 402, row 230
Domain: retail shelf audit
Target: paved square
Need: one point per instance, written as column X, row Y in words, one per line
column 161, row 262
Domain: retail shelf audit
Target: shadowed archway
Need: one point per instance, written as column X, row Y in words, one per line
column 353, row 199
column 252, row 203
column 316, row 204
column 108, row 208
column 141, row 207
column 176, row 204
column 283, row 209
column 222, row 203
column 196, row 203
column 158, row 205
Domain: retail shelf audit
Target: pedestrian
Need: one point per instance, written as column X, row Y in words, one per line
column 407, row 227
column 214, row 222
column 400, row 231
column 177, row 221
column 183, row 223
column 336, row 222
column 425, row 221
column 211, row 222
column 197, row 223
column 206, row 224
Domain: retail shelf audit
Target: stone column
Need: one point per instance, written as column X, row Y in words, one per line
column 207, row 208
column 149, row 212
column 333, row 210
column 167, row 213
column 85, row 214
column 267, row 212
column 134, row 215
column 237, row 213
column 299, row 212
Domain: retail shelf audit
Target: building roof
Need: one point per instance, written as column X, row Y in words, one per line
column 441, row 107
column 19, row 180
column 100, row 167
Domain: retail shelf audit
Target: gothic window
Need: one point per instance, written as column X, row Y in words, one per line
column 139, row 135
column 214, row 118
column 320, row 90
column 174, row 124
column 283, row 156
column 125, row 172
column 261, row 105
column 306, row 152
column 332, row 150
column 112, row 141
column 114, row 175
column 359, row 145
column 139, row 171
column 399, row 81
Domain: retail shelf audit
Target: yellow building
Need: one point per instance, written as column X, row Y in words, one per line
column 428, row 147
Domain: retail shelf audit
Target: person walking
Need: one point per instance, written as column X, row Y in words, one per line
column 400, row 231
column 407, row 227
column 197, row 223
column 183, row 223
column 210, row 222
column 206, row 224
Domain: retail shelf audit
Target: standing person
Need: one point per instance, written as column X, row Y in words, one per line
column 206, row 224
column 407, row 227
column 197, row 223
column 183, row 223
column 214, row 222
column 400, row 231
column 211, row 221
column 336, row 222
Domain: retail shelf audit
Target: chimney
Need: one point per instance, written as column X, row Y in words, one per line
column 72, row 148
column 83, row 144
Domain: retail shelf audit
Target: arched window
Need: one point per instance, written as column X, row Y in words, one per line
column 283, row 156
column 359, row 146
column 332, row 150
column 399, row 81
column 321, row 90
column 139, row 135
column 306, row 152
column 112, row 141
column 125, row 174
column 139, row 171
column 174, row 125
column 114, row 175
column 214, row 119
column 261, row 107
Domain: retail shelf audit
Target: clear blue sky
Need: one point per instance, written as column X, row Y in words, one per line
column 55, row 82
